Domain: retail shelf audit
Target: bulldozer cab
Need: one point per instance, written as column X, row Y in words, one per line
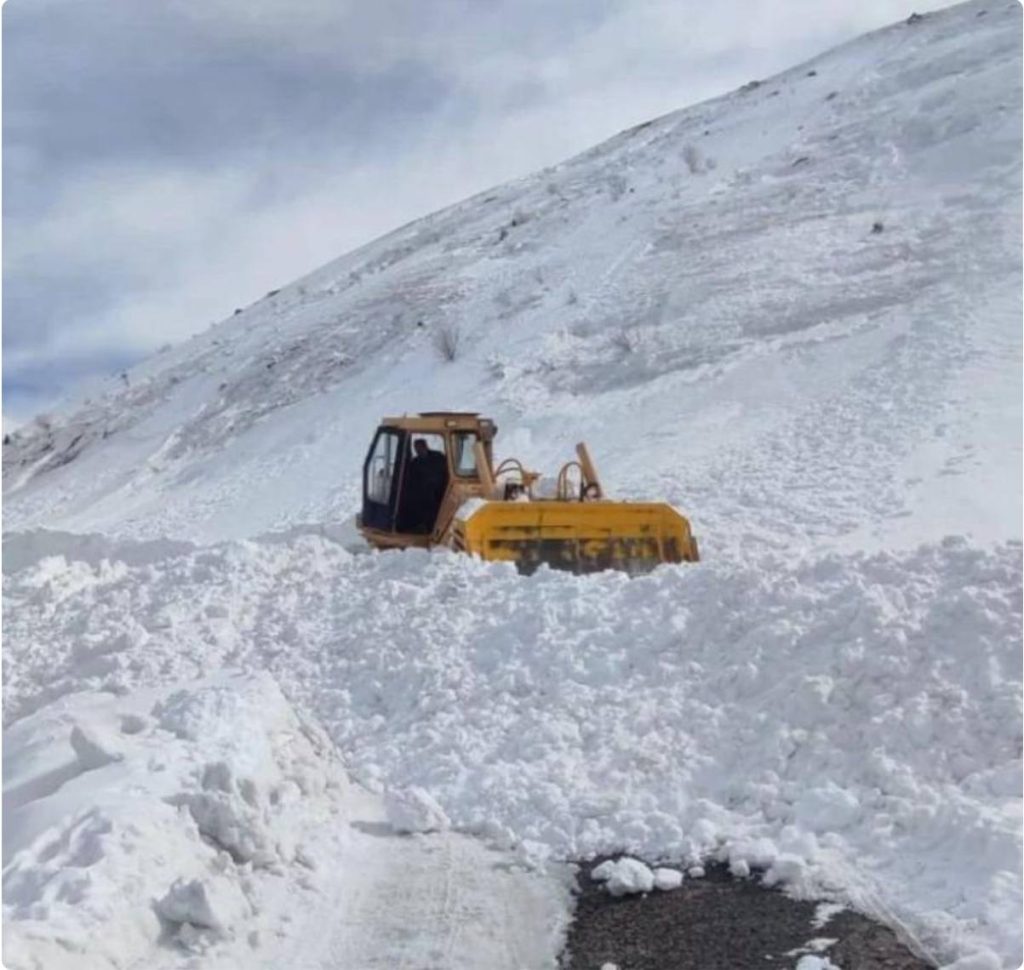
column 414, row 464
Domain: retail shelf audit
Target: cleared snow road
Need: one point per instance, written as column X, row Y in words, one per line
column 432, row 900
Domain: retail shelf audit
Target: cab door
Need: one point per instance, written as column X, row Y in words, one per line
column 382, row 474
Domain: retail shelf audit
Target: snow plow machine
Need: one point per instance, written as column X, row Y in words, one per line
column 430, row 480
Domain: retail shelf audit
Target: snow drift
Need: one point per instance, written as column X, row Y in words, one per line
column 166, row 818
column 849, row 722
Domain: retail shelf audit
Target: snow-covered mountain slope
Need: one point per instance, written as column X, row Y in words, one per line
column 706, row 299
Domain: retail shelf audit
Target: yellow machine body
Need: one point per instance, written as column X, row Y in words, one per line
column 581, row 537
column 430, row 480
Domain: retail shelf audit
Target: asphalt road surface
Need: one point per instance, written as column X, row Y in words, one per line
column 721, row 923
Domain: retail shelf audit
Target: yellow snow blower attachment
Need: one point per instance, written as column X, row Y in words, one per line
column 430, row 480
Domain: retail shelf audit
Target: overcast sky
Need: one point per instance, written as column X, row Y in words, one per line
column 168, row 160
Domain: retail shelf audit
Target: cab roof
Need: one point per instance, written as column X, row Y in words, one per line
column 440, row 421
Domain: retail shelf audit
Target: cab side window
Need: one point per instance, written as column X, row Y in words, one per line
column 463, row 443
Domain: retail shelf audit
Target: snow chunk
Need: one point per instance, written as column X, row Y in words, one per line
column 739, row 868
column 604, row 871
column 414, row 810
column 810, row 962
column 93, row 748
column 827, row 809
column 232, row 813
column 824, row 912
column 624, row 876
column 212, row 904
column 818, row 944
column 666, row 879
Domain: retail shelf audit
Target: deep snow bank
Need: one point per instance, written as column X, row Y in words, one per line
column 170, row 816
column 850, row 722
